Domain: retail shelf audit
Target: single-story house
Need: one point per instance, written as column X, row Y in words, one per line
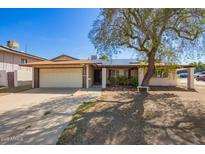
column 66, row 71
column 11, row 74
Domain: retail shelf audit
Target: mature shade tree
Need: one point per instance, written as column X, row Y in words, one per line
column 163, row 55
column 146, row 31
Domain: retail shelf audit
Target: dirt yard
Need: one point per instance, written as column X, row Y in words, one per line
column 6, row 90
column 164, row 116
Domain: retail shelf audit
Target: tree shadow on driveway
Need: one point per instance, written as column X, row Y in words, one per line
column 39, row 124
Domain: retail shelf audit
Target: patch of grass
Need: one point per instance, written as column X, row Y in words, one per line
column 68, row 131
column 82, row 109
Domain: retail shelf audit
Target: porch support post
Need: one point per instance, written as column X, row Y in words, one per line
column 190, row 78
column 15, row 78
column 32, row 77
column 84, row 77
column 140, row 75
column 104, row 76
column 36, row 77
column 87, row 76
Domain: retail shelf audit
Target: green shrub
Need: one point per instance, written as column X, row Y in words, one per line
column 133, row 81
column 113, row 81
column 120, row 79
column 123, row 80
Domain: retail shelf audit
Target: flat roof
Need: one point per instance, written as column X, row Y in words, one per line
column 140, row 66
column 169, row 65
column 116, row 62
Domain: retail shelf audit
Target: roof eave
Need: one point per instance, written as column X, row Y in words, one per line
column 21, row 53
column 54, row 64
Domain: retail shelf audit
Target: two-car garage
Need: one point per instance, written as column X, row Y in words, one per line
column 61, row 74
column 60, row 77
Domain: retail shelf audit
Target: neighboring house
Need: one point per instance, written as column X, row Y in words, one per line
column 66, row 71
column 63, row 58
column 11, row 74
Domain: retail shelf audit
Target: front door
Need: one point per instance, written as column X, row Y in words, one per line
column 98, row 76
column 10, row 77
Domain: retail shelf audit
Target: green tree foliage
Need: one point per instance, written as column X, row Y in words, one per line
column 147, row 31
column 163, row 55
column 123, row 80
column 104, row 57
column 199, row 66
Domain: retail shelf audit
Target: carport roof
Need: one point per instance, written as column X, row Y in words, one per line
column 168, row 65
column 134, row 63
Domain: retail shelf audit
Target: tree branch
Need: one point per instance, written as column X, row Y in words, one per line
column 179, row 32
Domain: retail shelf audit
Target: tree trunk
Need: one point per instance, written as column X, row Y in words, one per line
column 150, row 69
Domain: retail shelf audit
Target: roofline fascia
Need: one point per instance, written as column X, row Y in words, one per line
column 21, row 53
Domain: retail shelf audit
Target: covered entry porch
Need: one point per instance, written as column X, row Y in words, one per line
column 168, row 78
column 125, row 71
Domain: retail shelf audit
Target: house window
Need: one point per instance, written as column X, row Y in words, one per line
column 23, row 61
column 161, row 73
column 114, row 73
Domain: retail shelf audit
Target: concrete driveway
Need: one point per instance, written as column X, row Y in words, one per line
column 38, row 116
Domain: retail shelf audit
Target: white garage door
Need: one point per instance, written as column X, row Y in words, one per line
column 67, row 77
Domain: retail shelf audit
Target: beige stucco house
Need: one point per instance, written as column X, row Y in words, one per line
column 11, row 73
column 66, row 71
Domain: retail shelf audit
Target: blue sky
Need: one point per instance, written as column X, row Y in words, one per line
column 50, row 32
